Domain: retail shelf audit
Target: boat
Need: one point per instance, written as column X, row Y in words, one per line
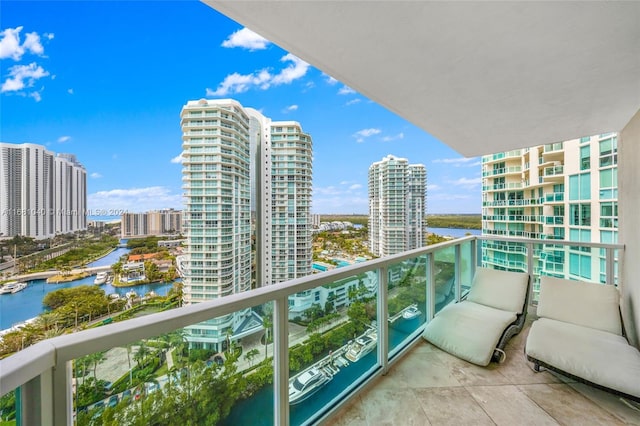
column 362, row 345
column 101, row 278
column 411, row 312
column 12, row 287
column 305, row 384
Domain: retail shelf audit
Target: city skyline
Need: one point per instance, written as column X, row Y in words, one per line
column 114, row 100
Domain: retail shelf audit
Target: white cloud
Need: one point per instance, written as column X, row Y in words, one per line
column 32, row 44
column 445, row 196
column 177, row 159
column 49, row 36
column 330, row 80
column 63, row 139
column 340, row 199
column 70, row 91
column 353, row 101
column 21, row 76
column 292, row 108
column 263, row 79
column 239, row 83
column 461, row 160
column 360, row 135
column 296, row 70
column 340, row 204
column 346, row 90
column 95, row 175
column 10, row 46
column 134, row 199
column 463, row 181
column 393, row 138
column 36, row 96
column 433, row 187
column 246, row 39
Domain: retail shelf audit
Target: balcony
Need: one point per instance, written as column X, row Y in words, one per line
column 554, row 174
column 456, row 392
column 414, row 378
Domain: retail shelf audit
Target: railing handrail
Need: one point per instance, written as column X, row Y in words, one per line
column 21, row 367
column 550, row 241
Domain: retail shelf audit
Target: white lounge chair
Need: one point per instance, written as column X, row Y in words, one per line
column 478, row 328
column 579, row 333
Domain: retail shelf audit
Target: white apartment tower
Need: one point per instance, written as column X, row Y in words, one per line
column 397, row 192
column 566, row 190
column 238, row 165
column 42, row 194
column 291, row 187
column 157, row 222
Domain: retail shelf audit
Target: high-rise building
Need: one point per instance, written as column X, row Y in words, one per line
column 239, row 166
column 566, row 190
column 158, row 222
column 397, row 192
column 291, row 187
column 41, row 194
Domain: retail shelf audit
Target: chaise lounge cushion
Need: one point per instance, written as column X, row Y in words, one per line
column 469, row 330
column 502, row 290
column 600, row 357
column 590, row 305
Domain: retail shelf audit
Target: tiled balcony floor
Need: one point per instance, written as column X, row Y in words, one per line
column 431, row 387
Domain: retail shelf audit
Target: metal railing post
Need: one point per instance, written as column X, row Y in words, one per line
column 431, row 288
column 281, row 362
column 610, row 265
column 383, row 315
column 457, row 268
column 530, row 271
column 62, row 393
column 36, row 401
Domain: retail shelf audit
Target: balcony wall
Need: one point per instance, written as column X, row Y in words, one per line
column 629, row 206
column 426, row 278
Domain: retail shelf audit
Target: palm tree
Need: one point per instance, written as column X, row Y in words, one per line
column 129, row 361
column 267, row 323
column 141, row 355
column 95, row 359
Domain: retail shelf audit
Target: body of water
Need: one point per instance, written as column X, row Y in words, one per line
column 27, row 304
column 454, row 232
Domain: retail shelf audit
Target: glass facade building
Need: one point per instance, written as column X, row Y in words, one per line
column 566, row 190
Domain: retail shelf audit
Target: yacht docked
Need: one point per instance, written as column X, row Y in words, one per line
column 305, row 384
column 101, row 278
column 411, row 312
column 362, row 345
column 12, row 287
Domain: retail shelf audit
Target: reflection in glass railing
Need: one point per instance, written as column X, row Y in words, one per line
column 9, row 407
column 445, row 276
column 178, row 377
column 332, row 346
column 407, row 289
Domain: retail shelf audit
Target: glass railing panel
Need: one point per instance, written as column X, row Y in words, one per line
column 407, row 290
column 467, row 268
column 333, row 341
column 9, row 408
column 202, row 374
column 444, row 276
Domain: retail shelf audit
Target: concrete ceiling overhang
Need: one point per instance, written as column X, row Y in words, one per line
column 481, row 77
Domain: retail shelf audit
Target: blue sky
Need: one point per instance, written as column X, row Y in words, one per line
column 106, row 81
